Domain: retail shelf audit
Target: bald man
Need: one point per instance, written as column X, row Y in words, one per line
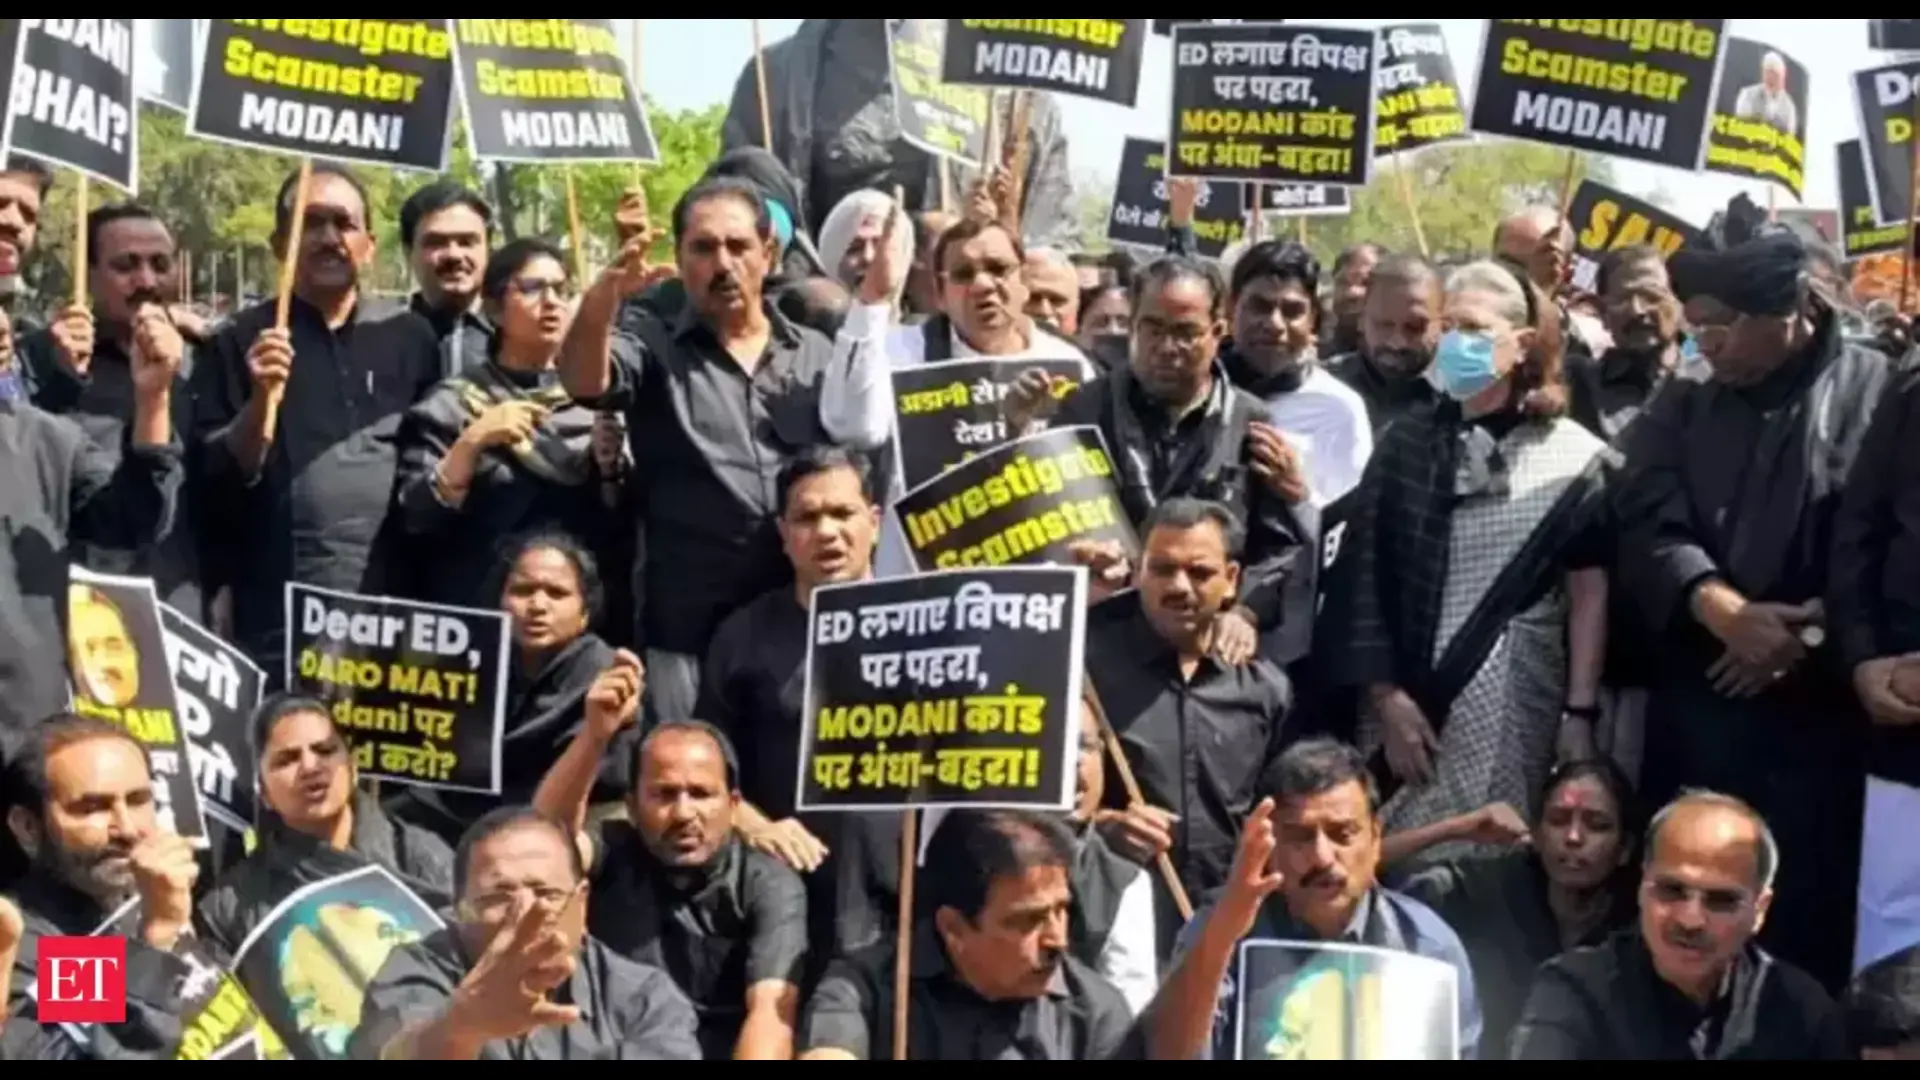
column 1688, row 983
column 1540, row 240
column 1770, row 101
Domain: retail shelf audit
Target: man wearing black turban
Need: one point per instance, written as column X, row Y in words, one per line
column 1727, row 512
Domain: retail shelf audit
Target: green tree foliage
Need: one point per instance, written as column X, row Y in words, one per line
column 218, row 200
column 1460, row 193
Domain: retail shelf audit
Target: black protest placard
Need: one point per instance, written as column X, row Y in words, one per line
column 1139, row 214
column 1024, row 503
column 935, row 116
column 1091, row 58
column 1604, row 219
column 372, row 90
column 1760, row 117
column 949, row 412
column 1420, row 102
column 1266, row 103
column 117, row 657
column 420, row 689
column 944, row 690
column 73, row 97
column 1884, row 97
column 549, row 90
column 1894, row 35
column 1306, row 200
column 1634, row 88
column 1860, row 228
column 1164, row 27
column 166, row 69
column 217, row 689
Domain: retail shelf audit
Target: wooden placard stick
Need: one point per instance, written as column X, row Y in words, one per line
column 1413, row 212
column 80, row 257
column 575, row 234
column 760, row 75
column 289, row 265
column 1913, row 209
column 903, row 930
column 1117, row 754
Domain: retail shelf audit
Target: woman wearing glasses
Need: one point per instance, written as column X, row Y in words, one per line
column 500, row 450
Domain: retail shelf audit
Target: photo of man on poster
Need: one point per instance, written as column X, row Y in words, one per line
column 1770, row 101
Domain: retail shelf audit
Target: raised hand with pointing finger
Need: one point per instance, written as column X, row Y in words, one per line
column 504, row 995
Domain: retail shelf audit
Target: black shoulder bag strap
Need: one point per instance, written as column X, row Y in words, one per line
column 1517, row 581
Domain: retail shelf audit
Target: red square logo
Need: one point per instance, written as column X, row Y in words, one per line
column 82, row 980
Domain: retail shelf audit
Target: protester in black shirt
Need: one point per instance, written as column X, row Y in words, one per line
column 992, row 974
column 829, row 519
column 717, row 401
column 677, row 889
column 315, row 824
column 1689, row 983
column 1197, row 730
column 1873, row 604
column 80, row 803
column 1400, row 329
column 445, row 230
column 1177, row 427
column 517, row 978
column 1569, row 883
column 84, row 372
column 1729, row 506
column 553, row 593
column 58, row 487
column 303, row 484
column 1883, row 1008
column 499, row 450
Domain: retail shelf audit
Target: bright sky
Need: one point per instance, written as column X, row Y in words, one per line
column 690, row 63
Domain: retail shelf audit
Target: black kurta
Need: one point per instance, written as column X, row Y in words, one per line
column 1743, row 485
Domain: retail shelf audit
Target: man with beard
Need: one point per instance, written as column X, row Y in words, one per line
column 1352, row 272
column 516, row 978
column 1312, row 845
column 81, row 805
column 991, row 974
column 1400, row 329
column 830, row 95
column 296, row 427
column 709, row 511
column 1728, row 512
column 1688, row 984
column 677, row 888
column 81, row 367
column 445, row 230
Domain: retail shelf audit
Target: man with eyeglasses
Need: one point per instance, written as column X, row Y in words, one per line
column 1688, row 984
column 517, row 978
column 1728, row 505
column 81, row 367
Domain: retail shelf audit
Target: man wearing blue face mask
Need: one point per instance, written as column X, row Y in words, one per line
column 1469, row 605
